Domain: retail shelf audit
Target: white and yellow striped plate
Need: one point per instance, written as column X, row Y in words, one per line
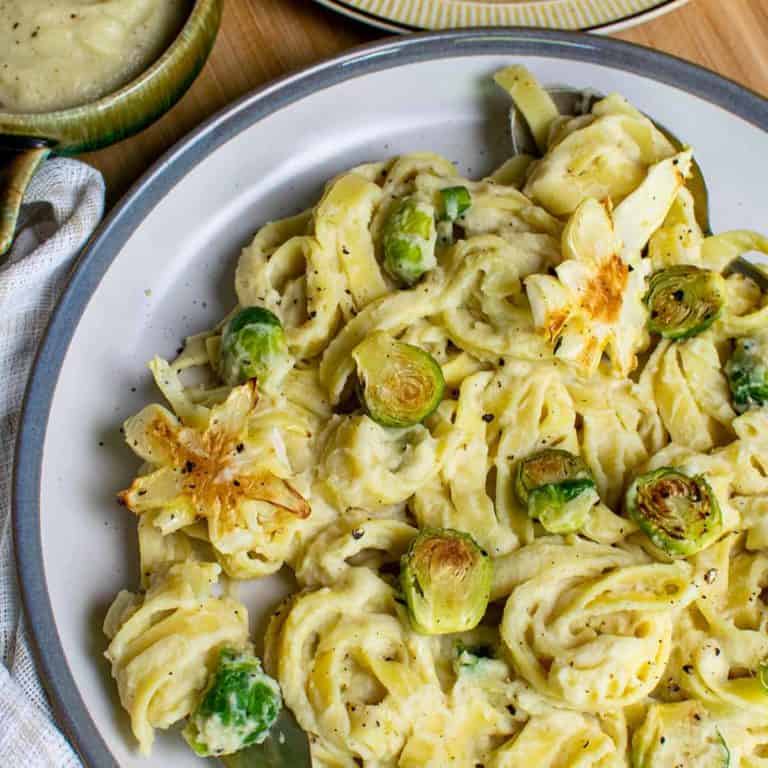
column 594, row 15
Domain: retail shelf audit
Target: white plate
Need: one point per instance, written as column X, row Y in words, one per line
column 161, row 267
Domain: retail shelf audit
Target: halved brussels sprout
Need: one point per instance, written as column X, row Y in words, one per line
column 253, row 346
column 399, row 384
column 679, row 734
column 557, row 488
column 684, row 301
column 446, row 580
column 409, row 239
column 678, row 513
column 239, row 706
column 747, row 372
column 456, row 201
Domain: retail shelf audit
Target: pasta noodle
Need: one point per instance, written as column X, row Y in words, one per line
column 591, row 628
column 485, row 366
column 562, row 739
column 163, row 644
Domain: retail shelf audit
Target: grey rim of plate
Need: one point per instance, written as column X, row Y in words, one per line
column 106, row 244
column 381, row 22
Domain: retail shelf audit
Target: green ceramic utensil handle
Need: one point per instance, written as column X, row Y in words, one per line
column 20, row 157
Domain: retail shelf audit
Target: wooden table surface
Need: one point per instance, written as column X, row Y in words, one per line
column 263, row 39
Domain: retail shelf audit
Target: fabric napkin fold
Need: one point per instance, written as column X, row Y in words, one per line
column 62, row 207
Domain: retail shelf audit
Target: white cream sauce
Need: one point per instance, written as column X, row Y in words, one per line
column 56, row 54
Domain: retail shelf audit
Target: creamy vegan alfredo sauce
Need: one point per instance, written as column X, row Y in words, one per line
column 56, row 54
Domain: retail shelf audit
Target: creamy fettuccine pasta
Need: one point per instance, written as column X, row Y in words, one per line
column 510, row 436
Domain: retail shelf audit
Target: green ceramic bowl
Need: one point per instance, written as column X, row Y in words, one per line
column 27, row 139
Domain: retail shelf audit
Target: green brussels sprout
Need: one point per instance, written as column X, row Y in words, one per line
column 398, row 384
column 679, row 734
column 455, row 202
column 409, row 241
column 253, row 346
column 557, row 488
column 239, row 706
column 684, row 301
column 446, row 580
column 747, row 372
column 678, row 513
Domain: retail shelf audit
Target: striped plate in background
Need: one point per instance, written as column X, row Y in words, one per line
column 408, row 15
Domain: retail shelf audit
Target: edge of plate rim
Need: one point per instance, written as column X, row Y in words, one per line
column 636, row 19
column 362, row 17
column 378, row 21
column 106, row 243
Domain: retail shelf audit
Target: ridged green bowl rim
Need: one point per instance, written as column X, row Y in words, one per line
column 169, row 171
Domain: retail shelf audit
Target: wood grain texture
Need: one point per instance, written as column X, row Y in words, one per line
column 727, row 36
column 263, row 39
